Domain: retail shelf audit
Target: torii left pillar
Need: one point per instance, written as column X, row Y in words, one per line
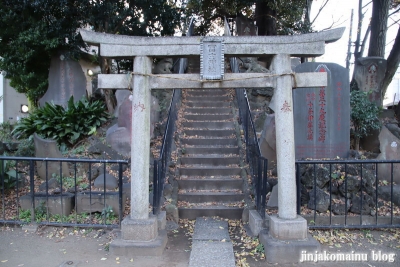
column 140, row 232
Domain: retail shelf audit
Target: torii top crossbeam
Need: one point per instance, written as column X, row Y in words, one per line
column 304, row 45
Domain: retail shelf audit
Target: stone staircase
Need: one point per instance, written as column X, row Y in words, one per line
column 209, row 181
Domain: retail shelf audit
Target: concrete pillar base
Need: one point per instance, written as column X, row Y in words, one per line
column 139, row 229
column 284, row 251
column 128, row 248
column 295, row 229
column 141, row 237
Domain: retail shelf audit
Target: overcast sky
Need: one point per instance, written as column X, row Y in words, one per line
column 339, row 11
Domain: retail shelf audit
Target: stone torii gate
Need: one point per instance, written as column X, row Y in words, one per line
column 139, row 231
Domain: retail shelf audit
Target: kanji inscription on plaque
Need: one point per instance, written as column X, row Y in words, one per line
column 212, row 58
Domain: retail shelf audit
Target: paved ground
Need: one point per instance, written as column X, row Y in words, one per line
column 77, row 247
column 74, row 247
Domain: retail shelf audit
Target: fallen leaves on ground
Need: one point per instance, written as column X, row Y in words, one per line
column 244, row 246
column 335, row 237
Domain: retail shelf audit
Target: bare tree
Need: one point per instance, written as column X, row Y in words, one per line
column 380, row 14
column 359, row 46
column 392, row 63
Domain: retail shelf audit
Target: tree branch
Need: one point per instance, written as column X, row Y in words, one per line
column 365, row 40
column 319, row 11
column 394, row 12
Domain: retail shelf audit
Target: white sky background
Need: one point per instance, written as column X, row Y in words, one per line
column 340, row 12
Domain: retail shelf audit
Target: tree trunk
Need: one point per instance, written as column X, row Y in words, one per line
column 357, row 143
column 380, row 12
column 308, row 11
column 392, row 64
column 357, row 43
column 265, row 18
column 105, row 65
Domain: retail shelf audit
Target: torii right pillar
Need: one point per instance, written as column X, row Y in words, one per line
column 288, row 233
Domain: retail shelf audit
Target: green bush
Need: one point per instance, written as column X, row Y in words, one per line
column 5, row 131
column 26, row 148
column 8, row 175
column 364, row 115
column 64, row 125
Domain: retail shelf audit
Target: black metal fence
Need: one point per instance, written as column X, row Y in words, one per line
column 63, row 192
column 348, row 193
column 161, row 163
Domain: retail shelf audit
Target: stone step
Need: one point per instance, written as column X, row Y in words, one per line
column 209, row 171
column 210, row 196
column 209, row 141
column 208, row 92
column 203, row 104
column 222, row 211
column 194, row 65
column 208, row 117
column 210, row 132
column 208, row 111
column 211, row 244
column 209, row 124
column 210, row 98
column 215, row 150
column 210, row 184
column 209, row 160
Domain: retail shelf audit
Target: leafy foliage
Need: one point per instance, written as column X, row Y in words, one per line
column 26, row 148
column 5, row 131
column 8, row 175
column 288, row 15
column 32, row 32
column 65, row 125
column 364, row 114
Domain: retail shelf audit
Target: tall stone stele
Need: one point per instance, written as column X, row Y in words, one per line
column 66, row 79
column 369, row 73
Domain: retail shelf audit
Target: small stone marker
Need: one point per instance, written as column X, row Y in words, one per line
column 390, row 150
column 273, row 198
column 120, row 95
column 66, row 79
column 106, row 181
column 369, row 73
column 322, row 115
column 46, row 148
column 268, row 140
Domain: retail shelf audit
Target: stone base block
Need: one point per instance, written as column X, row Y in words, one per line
column 139, row 230
column 295, row 229
column 56, row 204
column 88, row 202
column 256, row 223
column 127, row 248
column 32, row 227
column 283, row 252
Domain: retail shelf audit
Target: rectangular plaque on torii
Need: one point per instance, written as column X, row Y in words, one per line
column 212, row 58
